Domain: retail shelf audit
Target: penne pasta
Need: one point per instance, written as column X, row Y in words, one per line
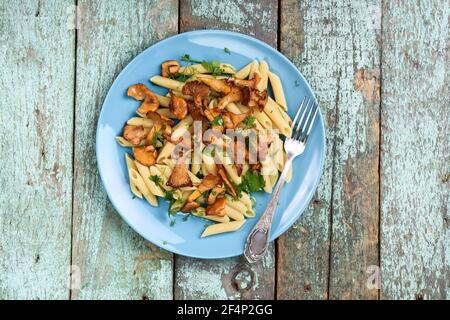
column 139, row 182
column 124, row 143
column 199, row 68
column 181, row 128
column 163, row 101
column 244, row 72
column 277, row 89
column 254, row 68
column 232, row 173
column 233, row 213
column 263, row 119
column 167, row 83
column 280, row 123
column 165, row 112
column 144, row 171
column 137, row 121
column 130, row 165
column 222, row 227
column 165, row 152
column 263, row 72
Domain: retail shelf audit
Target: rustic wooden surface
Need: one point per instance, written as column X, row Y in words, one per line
column 415, row 159
column 381, row 70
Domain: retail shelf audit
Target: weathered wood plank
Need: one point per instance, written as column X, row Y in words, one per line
column 415, row 187
column 335, row 45
column 255, row 18
column 228, row 278
column 113, row 261
column 36, row 113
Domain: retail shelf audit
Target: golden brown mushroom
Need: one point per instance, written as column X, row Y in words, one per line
column 218, row 85
column 248, row 83
column 217, row 208
column 179, row 107
column 216, row 191
column 196, row 89
column 189, row 206
column 254, row 98
column 221, row 172
column 208, row 182
column 141, row 93
column 134, row 134
column 235, row 95
column 146, row 155
column 179, row 177
column 170, row 68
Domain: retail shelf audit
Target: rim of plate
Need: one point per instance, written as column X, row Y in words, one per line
column 277, row 233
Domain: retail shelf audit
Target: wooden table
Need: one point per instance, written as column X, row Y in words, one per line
column 381, row 69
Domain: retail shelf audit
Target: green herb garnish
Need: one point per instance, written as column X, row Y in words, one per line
column 186, row 217
column 296, row 83
column 226, row 50
column 168, row 195
column 173, row 222
column 165, row 242
column 156, row 179
column 251, row 181
column 249, row 121
column 157, row 140
column 217, row 121
column 133, row 197
column 213, row 67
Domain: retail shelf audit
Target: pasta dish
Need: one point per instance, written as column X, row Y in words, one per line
column 210, row 142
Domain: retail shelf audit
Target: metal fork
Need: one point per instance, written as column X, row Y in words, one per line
column 258, row 239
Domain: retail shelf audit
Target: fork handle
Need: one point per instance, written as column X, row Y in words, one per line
column 258, row 239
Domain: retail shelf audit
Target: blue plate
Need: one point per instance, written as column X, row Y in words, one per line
column 153, row 223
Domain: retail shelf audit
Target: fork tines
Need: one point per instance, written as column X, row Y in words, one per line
column 303, row 127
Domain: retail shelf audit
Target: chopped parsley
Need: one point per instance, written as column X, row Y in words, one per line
column 249, row 121
column 213, row 67
column 173, row 222
column 133, row 197
column 186, row 217
column 297, row 83
column 217, row 121
column 165, row 242
column 251, row 181
column 156, row 179
column 168, row 195
column 157, row 140
column 226, row 50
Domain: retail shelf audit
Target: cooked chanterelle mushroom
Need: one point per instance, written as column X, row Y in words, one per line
column 231, row 120
column 217, row 208
column 247, row 83
column 179, row 107
column 196, row 89
column 235, row 95
column 189, row 206
column 218, row 85
column 170, row 68
column 214, row 193
column 141, row 93
column 134, row 134
column 221, row 172
column 179, row 177
column 146, row 155
column 254, row 98
column 208, row 182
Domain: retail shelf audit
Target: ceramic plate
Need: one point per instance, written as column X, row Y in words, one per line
column 154, row 223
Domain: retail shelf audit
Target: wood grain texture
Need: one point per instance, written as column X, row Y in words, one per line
column 228, row 278
column 36, row 104
column 336, row 46
column 258, row 18
column 113, row 261
column 415, row 162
